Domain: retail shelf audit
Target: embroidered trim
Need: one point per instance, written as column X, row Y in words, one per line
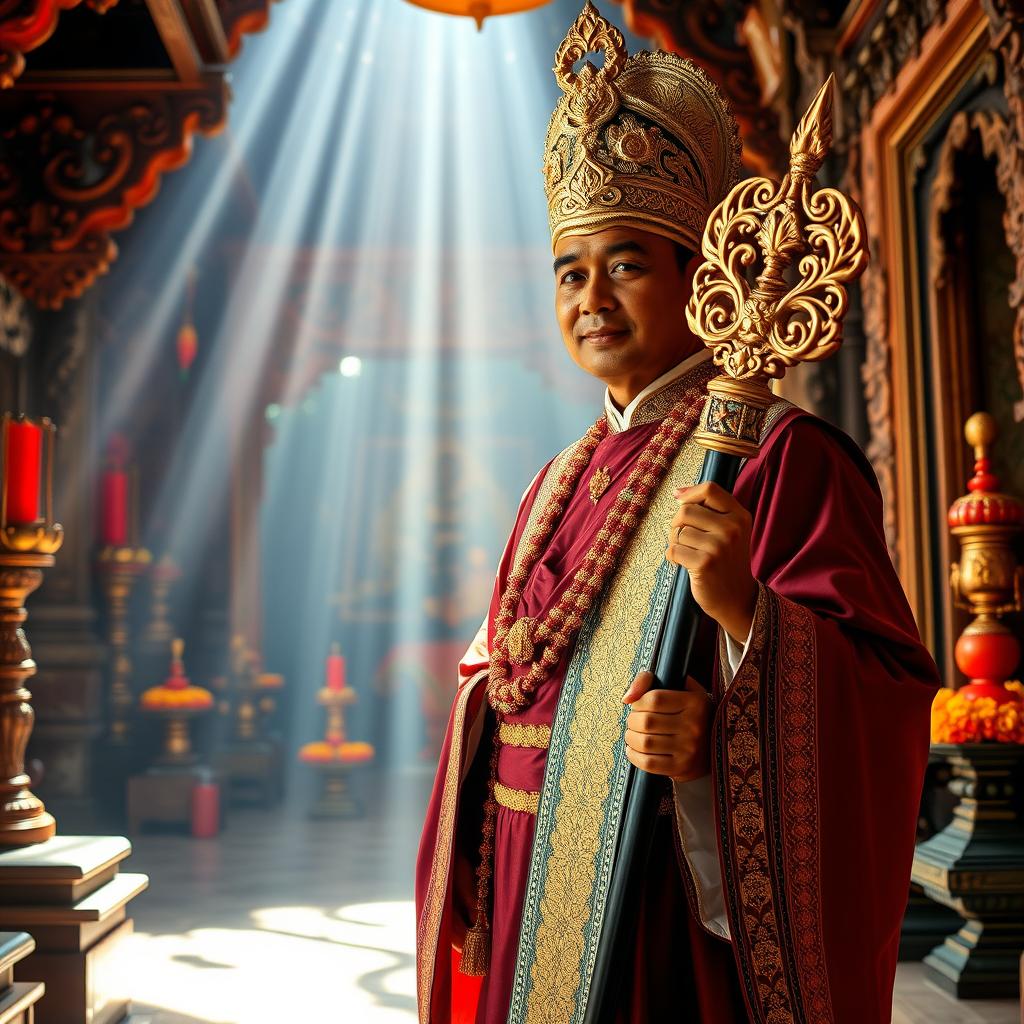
column 516, row 799
column 745, row 838
column 657, row 405
column 429, row 925
column 797, row 714
column 518, row 734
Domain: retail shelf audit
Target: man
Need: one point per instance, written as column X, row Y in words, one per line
column 793, row 759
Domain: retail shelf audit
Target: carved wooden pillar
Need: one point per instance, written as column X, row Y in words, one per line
column 1006, row 27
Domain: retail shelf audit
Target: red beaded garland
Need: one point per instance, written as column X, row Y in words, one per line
column 563, row 620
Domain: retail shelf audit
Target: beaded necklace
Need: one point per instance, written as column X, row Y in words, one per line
column 516, row 640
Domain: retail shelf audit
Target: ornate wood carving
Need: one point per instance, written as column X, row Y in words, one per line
column 241, row 17
column 26, row 24
column 1006, row 27
column 990, row 129
column 76, row 164
column 876, row 374
column 893, row 40
column 706, row 32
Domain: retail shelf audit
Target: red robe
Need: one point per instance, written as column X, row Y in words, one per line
column 820, row 742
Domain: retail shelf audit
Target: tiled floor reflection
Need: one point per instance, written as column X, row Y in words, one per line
column 282, row 920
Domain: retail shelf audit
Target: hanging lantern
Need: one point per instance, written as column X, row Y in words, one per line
column 188, row 346
column 479, row 9
column 188, row 339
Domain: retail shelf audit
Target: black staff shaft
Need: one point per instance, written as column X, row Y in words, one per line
column 671, row 663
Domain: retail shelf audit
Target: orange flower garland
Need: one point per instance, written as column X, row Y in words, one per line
column 182, row 698
column 960, row 719
column 322, row 752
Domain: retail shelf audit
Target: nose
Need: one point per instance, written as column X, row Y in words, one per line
column 597, row 296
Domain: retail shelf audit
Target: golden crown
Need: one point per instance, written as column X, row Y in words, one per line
column 646, row 141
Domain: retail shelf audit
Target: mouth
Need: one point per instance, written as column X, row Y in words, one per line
column 604, row 336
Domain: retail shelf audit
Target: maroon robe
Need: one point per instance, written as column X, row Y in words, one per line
column 821, row 741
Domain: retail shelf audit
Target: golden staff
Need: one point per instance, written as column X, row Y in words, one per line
column 801, row 247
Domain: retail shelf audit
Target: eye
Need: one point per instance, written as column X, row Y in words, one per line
column 625, row 266
column 571, row 277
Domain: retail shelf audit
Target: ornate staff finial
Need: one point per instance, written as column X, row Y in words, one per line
column 766, row 230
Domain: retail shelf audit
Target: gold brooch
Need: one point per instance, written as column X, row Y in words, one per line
column 519, row 641
column 599, row 483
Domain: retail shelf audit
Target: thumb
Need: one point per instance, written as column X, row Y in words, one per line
column 692, row 686
column 643, row 682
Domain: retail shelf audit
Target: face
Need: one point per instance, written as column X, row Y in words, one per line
column 620, row 297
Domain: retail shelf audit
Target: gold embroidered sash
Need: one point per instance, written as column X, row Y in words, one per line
column 580, row 803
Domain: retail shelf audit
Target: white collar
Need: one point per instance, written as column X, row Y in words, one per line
column 619, row 421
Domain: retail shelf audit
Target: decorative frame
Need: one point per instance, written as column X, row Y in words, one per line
column 896, row 384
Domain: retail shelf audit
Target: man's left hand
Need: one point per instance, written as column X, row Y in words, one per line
column 710, row 536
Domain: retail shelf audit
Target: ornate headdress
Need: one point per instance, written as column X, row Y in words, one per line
column 646, row 141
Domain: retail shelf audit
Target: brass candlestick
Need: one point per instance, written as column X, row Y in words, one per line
column 165, row 574
column 120, row 567
column 25, row 550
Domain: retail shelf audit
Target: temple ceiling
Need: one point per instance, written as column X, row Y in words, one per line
column 99, row 100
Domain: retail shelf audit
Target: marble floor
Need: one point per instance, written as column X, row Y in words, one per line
column 282, row 919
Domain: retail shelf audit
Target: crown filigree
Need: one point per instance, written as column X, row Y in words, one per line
column 646, row 140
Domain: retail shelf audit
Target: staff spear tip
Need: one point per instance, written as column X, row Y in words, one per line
column 813, row 136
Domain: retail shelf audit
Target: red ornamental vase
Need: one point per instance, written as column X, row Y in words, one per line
column 987, row 658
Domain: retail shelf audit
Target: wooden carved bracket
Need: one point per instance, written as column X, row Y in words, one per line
column 75, row 164
column 26, row 24
column 242, row 17
column 706, row 31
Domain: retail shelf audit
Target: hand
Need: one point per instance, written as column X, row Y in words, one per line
column 667, row 730
column 710, row 536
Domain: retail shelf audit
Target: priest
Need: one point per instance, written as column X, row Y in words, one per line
column 793, row 759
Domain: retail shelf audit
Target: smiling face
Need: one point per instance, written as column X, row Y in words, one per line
column 620, row 296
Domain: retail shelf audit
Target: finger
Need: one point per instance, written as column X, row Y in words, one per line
column 710, row 495
column 648, row 743
column 692, row 686
column 651, row 723
column 699, row 517
column 656, row 764
column 693, row 557
column 690, row 705
column 640, row 685
column 664, row 702
column 700, row 540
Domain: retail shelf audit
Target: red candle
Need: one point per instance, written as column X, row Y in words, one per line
column 23, row 463
column 335, row 669
column 114, row 506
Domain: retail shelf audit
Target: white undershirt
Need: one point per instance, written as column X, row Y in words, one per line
column 624, row 420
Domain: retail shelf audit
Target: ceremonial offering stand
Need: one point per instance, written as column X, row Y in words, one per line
column 252, row 761
column 66, row 890
column 163, row 794
column 976, row 864
column 334, row 756
column 756, row 333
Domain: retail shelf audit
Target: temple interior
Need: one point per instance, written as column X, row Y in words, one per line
column 277, row 353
